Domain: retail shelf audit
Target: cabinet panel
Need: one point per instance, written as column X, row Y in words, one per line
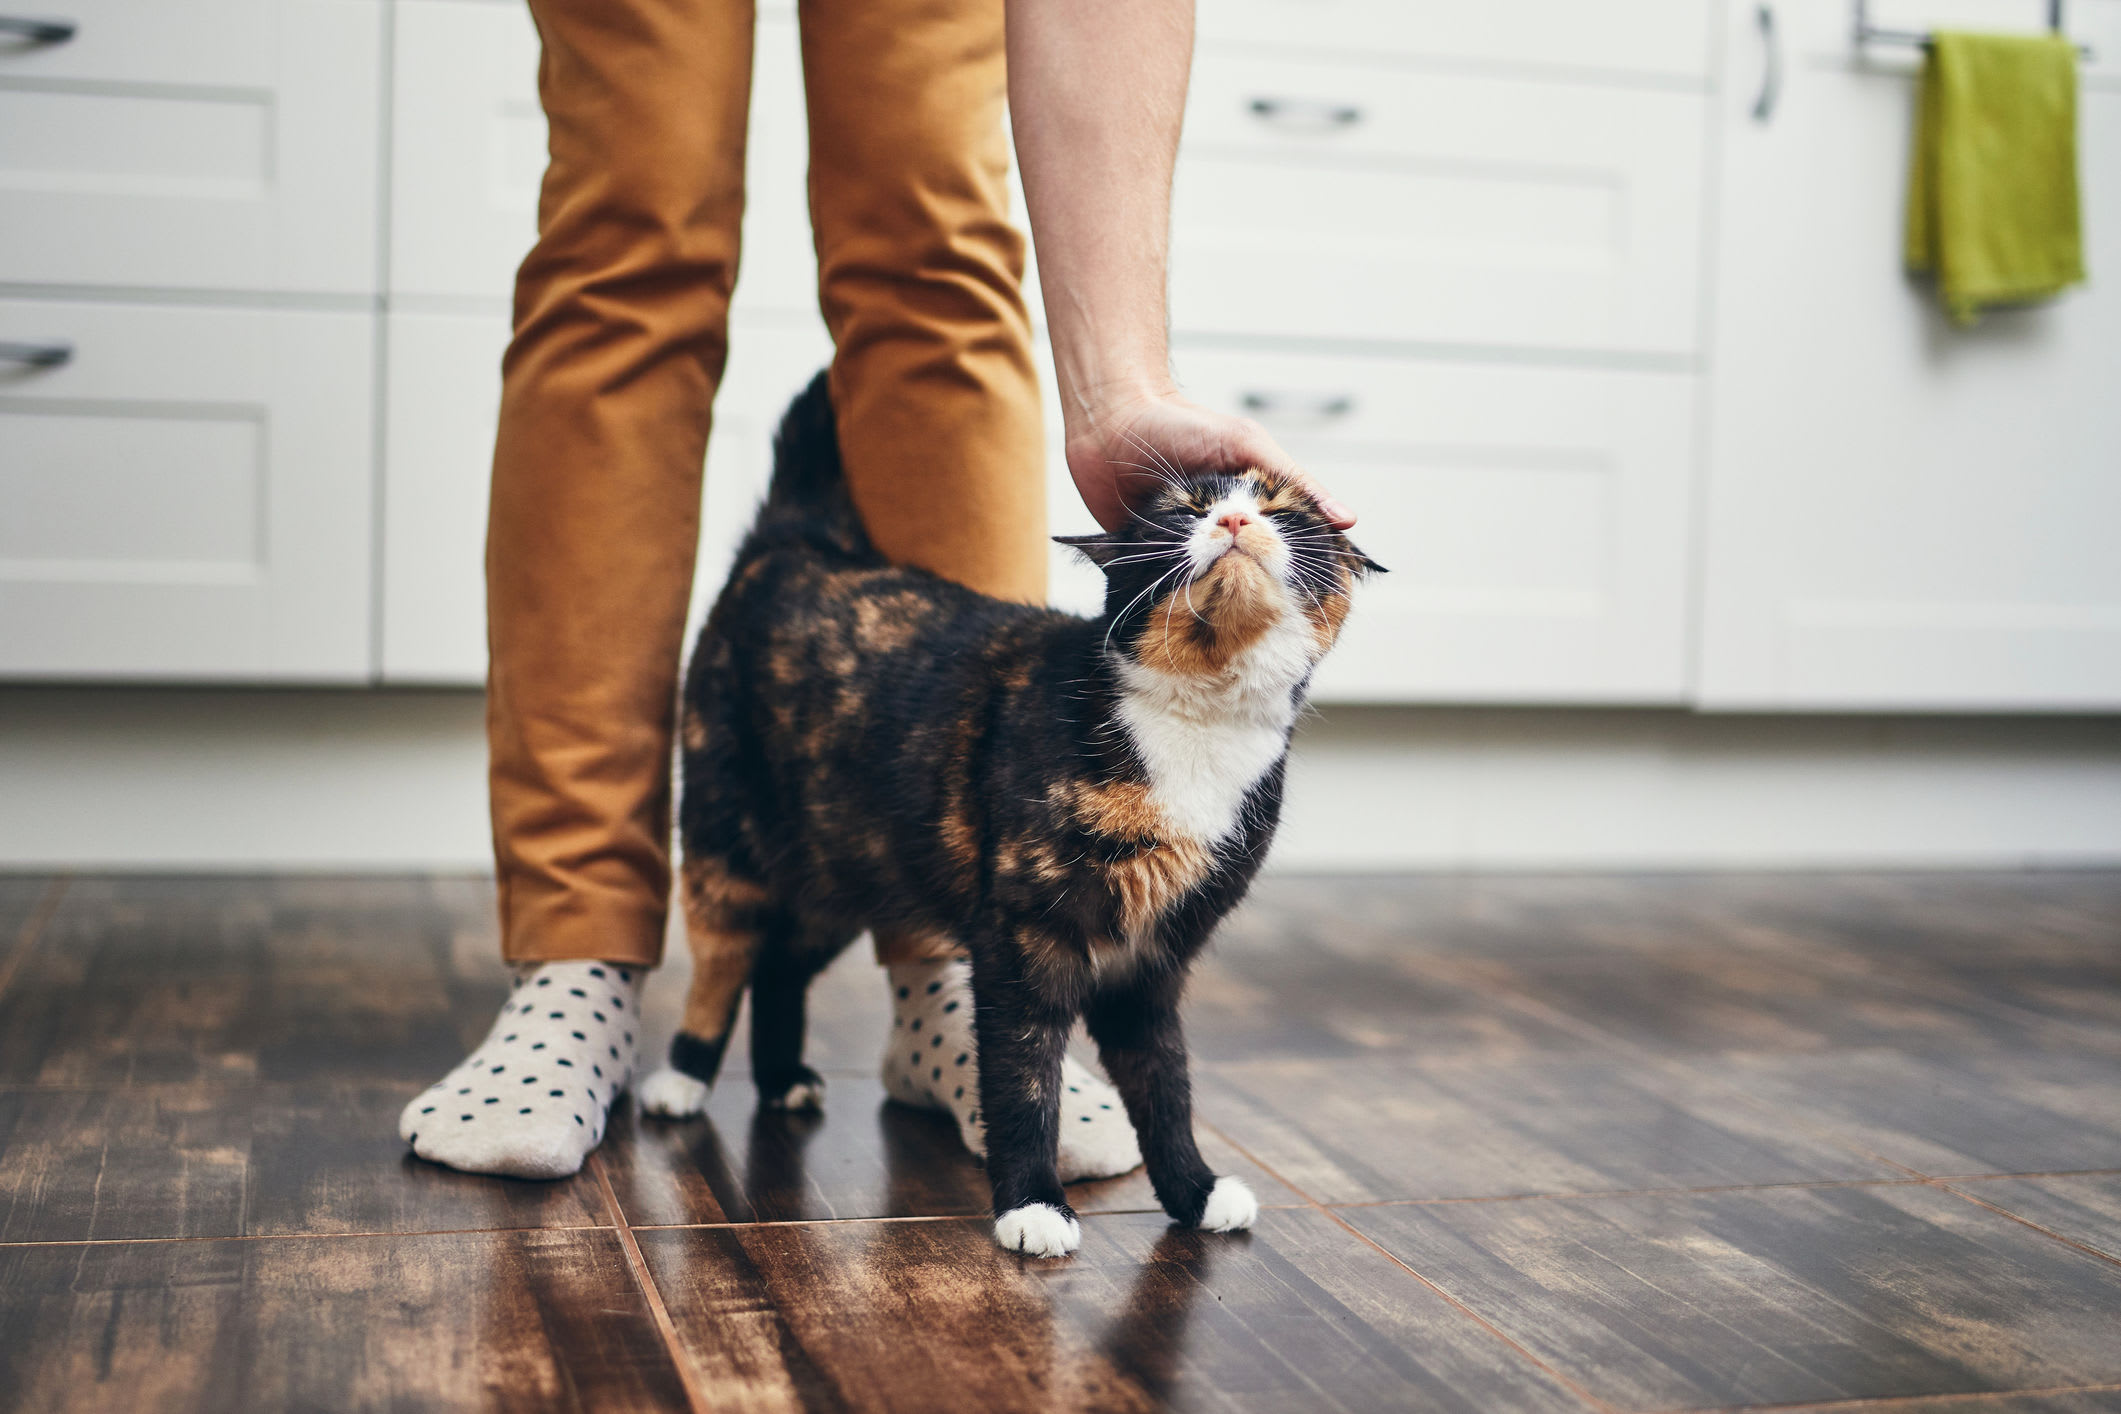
column 1668, row 38
column 1902, row 515
column 188, row 497
column 444, row 393
column 1534, row 521
column 1348, row 201
column 219, row 144
column 468, row 153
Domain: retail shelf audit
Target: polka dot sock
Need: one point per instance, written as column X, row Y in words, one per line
column 531, row 1101
column 931, row 1061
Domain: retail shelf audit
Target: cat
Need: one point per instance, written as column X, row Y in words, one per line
column 1075, row 801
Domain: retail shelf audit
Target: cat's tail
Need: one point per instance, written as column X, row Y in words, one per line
column 808, row 496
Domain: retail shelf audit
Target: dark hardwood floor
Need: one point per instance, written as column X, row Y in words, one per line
column 1542, row 1144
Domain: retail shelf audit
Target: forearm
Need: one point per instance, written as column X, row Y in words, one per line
column 1097, row 93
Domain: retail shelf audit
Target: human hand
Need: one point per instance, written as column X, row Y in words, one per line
column 1118, row 455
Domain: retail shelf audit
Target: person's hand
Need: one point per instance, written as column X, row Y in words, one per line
column 1119, row 455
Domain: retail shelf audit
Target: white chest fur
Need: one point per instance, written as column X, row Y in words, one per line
column 1206, row 742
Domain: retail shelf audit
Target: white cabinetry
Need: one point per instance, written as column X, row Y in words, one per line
column 1533, row 520
column 1901, row 514
column 1356, row 201
column 189, row 496
column 209, row 145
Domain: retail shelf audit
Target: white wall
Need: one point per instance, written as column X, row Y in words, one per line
column 110, row 778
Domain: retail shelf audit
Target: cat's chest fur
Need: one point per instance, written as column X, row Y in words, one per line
column 1205, row 743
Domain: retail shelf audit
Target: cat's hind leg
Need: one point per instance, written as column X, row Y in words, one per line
column 727, row 915
column 780, row 988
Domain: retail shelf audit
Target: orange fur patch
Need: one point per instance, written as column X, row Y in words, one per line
column 718, row 905
column 1164, row 865
column 1198, row 630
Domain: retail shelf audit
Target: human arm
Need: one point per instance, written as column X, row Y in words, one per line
column 1097, row 92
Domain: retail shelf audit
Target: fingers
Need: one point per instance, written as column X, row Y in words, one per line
column 1264, row 452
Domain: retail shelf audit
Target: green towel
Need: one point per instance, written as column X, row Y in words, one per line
column 1992, row 198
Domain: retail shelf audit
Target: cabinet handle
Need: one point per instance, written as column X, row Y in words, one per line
column 1770, row 65
column 38, row 31
column 1309, row 115
column 36, row 355
column 1318, row 407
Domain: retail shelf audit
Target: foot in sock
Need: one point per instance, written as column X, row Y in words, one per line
column 931, row 1062
column 532, row 1100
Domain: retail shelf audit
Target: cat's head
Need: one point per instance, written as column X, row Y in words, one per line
column 1215, row 567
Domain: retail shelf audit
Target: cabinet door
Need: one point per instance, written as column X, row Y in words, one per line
column 468, row 154
column 189, row 497
column 1358, row 201
column 214, row 144
column 444, row 393
column 1901, row 514
column 1533, row 520
column 1664, row 38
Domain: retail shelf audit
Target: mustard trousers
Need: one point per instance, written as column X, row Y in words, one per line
column 621, row 335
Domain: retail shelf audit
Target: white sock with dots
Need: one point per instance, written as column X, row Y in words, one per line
column 931, row 1061
column 531, row 1101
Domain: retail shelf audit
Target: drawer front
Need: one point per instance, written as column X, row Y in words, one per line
column 444, row 394
column 1664, row 38
column 188, row 497
column 218, row 144
column 468, row 155
column 1347, row 201
column 1534, row 521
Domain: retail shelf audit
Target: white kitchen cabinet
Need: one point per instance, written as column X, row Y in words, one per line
column 188, row 497
column 1355, row 201
column 212, row 145
column 1666, row 39
column 468, row 154
column 1901, row 514
column 1534, row 521
column 443, row 396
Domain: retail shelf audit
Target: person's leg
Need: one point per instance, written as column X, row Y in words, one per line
column 620, row 337
column 920, row 277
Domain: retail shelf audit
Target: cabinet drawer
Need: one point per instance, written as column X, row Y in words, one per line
column 217, row 144
column 1353, row 202
column 188, row 497
column 1533, row 520
column 468, row 155
column 444, row 394
column 1668, row 38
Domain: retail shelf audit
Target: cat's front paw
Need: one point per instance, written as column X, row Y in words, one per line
column 1230, row 1208
column 671, row 1093
column 1039, row 1230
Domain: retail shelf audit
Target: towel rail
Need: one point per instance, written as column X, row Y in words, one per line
column 1868, row 33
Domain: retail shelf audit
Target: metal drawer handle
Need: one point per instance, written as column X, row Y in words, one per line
column 36, row 355
column 1770, row 65
column 1305, row 114
column 1322, row 407
column 38, row 31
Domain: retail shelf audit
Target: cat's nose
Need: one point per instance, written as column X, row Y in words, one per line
column 1233, row 521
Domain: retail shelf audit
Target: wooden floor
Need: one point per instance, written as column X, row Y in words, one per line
column 1523, row 1144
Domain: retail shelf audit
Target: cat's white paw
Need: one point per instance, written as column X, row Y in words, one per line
column 1231, row 1207
column 806, row 1095
column 1038, row 1230
column 672, row 1093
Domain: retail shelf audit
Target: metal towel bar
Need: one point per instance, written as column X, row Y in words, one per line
column 1868, row 33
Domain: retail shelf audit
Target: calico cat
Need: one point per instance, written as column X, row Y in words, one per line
column 1076, row 802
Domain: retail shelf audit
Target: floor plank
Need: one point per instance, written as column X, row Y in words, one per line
column 243, row 1160
column 1388, row 1127
column 20, row 896
column 2084, row 1208
column 1975, row 1112
column 931, row 1317
column 1772, row 1296
column 531, row 1321
column 863, row 1158
column 147, row 981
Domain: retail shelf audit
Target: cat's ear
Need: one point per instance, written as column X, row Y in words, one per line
column 1364, row 564
column 1100, row 549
